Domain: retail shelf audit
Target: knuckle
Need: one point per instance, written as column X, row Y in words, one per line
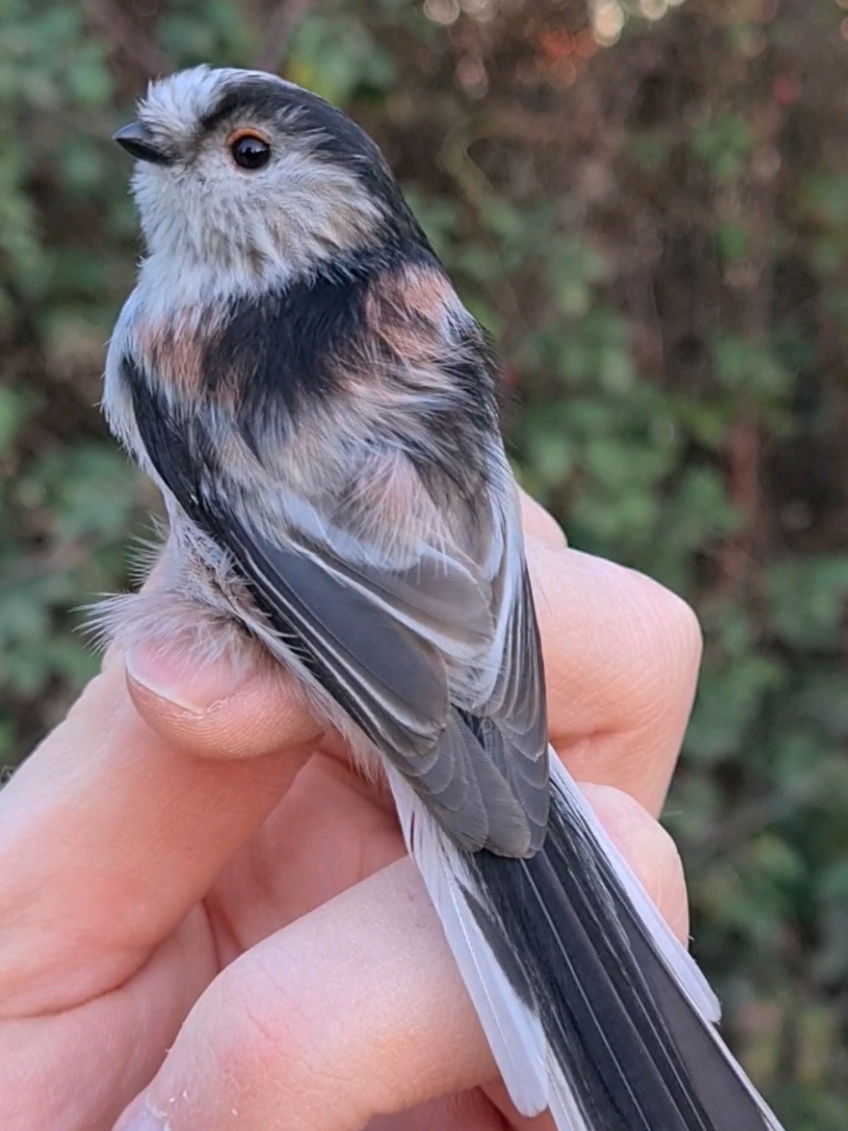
column 683, row 627
column 673, row 639
column 269, row 1046
column 265, row 1032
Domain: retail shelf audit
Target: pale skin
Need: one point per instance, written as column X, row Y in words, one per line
column 207, row 917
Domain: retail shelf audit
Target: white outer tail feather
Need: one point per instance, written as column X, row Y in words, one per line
column 532, row 1077
column 512, row 1029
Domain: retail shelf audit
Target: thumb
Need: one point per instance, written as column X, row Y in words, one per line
column 215, row 712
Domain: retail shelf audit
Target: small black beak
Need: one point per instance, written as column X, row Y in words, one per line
column 137, row 139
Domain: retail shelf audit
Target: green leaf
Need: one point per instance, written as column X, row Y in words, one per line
column 14, row 411
column 807, row 600
column 730, row 697
column 745, row 366
column 724, row 144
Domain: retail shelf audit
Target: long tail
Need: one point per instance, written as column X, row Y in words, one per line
column 590, row 1004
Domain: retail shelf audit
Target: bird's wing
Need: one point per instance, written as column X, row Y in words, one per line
column 437, row 659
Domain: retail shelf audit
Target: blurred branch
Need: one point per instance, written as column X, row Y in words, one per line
column 282, row 22
column 750, row 293
column 125, row 34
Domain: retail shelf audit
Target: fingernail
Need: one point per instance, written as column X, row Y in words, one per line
column 142, row 1120
column 182, row 680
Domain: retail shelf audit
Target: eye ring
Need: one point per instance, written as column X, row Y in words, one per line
column 249, row 150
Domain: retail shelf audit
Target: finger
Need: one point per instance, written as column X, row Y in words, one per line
column 108, row 835
column 76, row 1069
column 539, row 523
column 464, row 1111
column 333, row 1035
column 328, row 1034
column 197, row 709
column 621, row 660
column 649, row 849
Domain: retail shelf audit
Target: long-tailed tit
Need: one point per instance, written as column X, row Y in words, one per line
column 296, row 373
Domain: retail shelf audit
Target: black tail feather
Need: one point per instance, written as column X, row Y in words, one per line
column 629, row 1043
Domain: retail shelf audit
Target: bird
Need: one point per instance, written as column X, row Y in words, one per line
column 297, row 374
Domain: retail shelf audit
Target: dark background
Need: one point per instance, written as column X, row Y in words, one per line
column 647, row 203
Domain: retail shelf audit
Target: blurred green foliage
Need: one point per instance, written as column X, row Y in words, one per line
column 651, row 215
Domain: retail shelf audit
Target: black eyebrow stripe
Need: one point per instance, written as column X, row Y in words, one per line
column 331, row 132
column 259, row 99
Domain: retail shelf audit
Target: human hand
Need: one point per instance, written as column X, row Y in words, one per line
column 186, row 852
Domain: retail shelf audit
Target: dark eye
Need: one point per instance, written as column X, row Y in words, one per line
column 250, row 152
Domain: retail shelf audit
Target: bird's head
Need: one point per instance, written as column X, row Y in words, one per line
column 245, row 175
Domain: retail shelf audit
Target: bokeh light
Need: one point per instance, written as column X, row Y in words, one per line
column 653, row 9
column 480, row 9
column 607, row 21
column 443, row 12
